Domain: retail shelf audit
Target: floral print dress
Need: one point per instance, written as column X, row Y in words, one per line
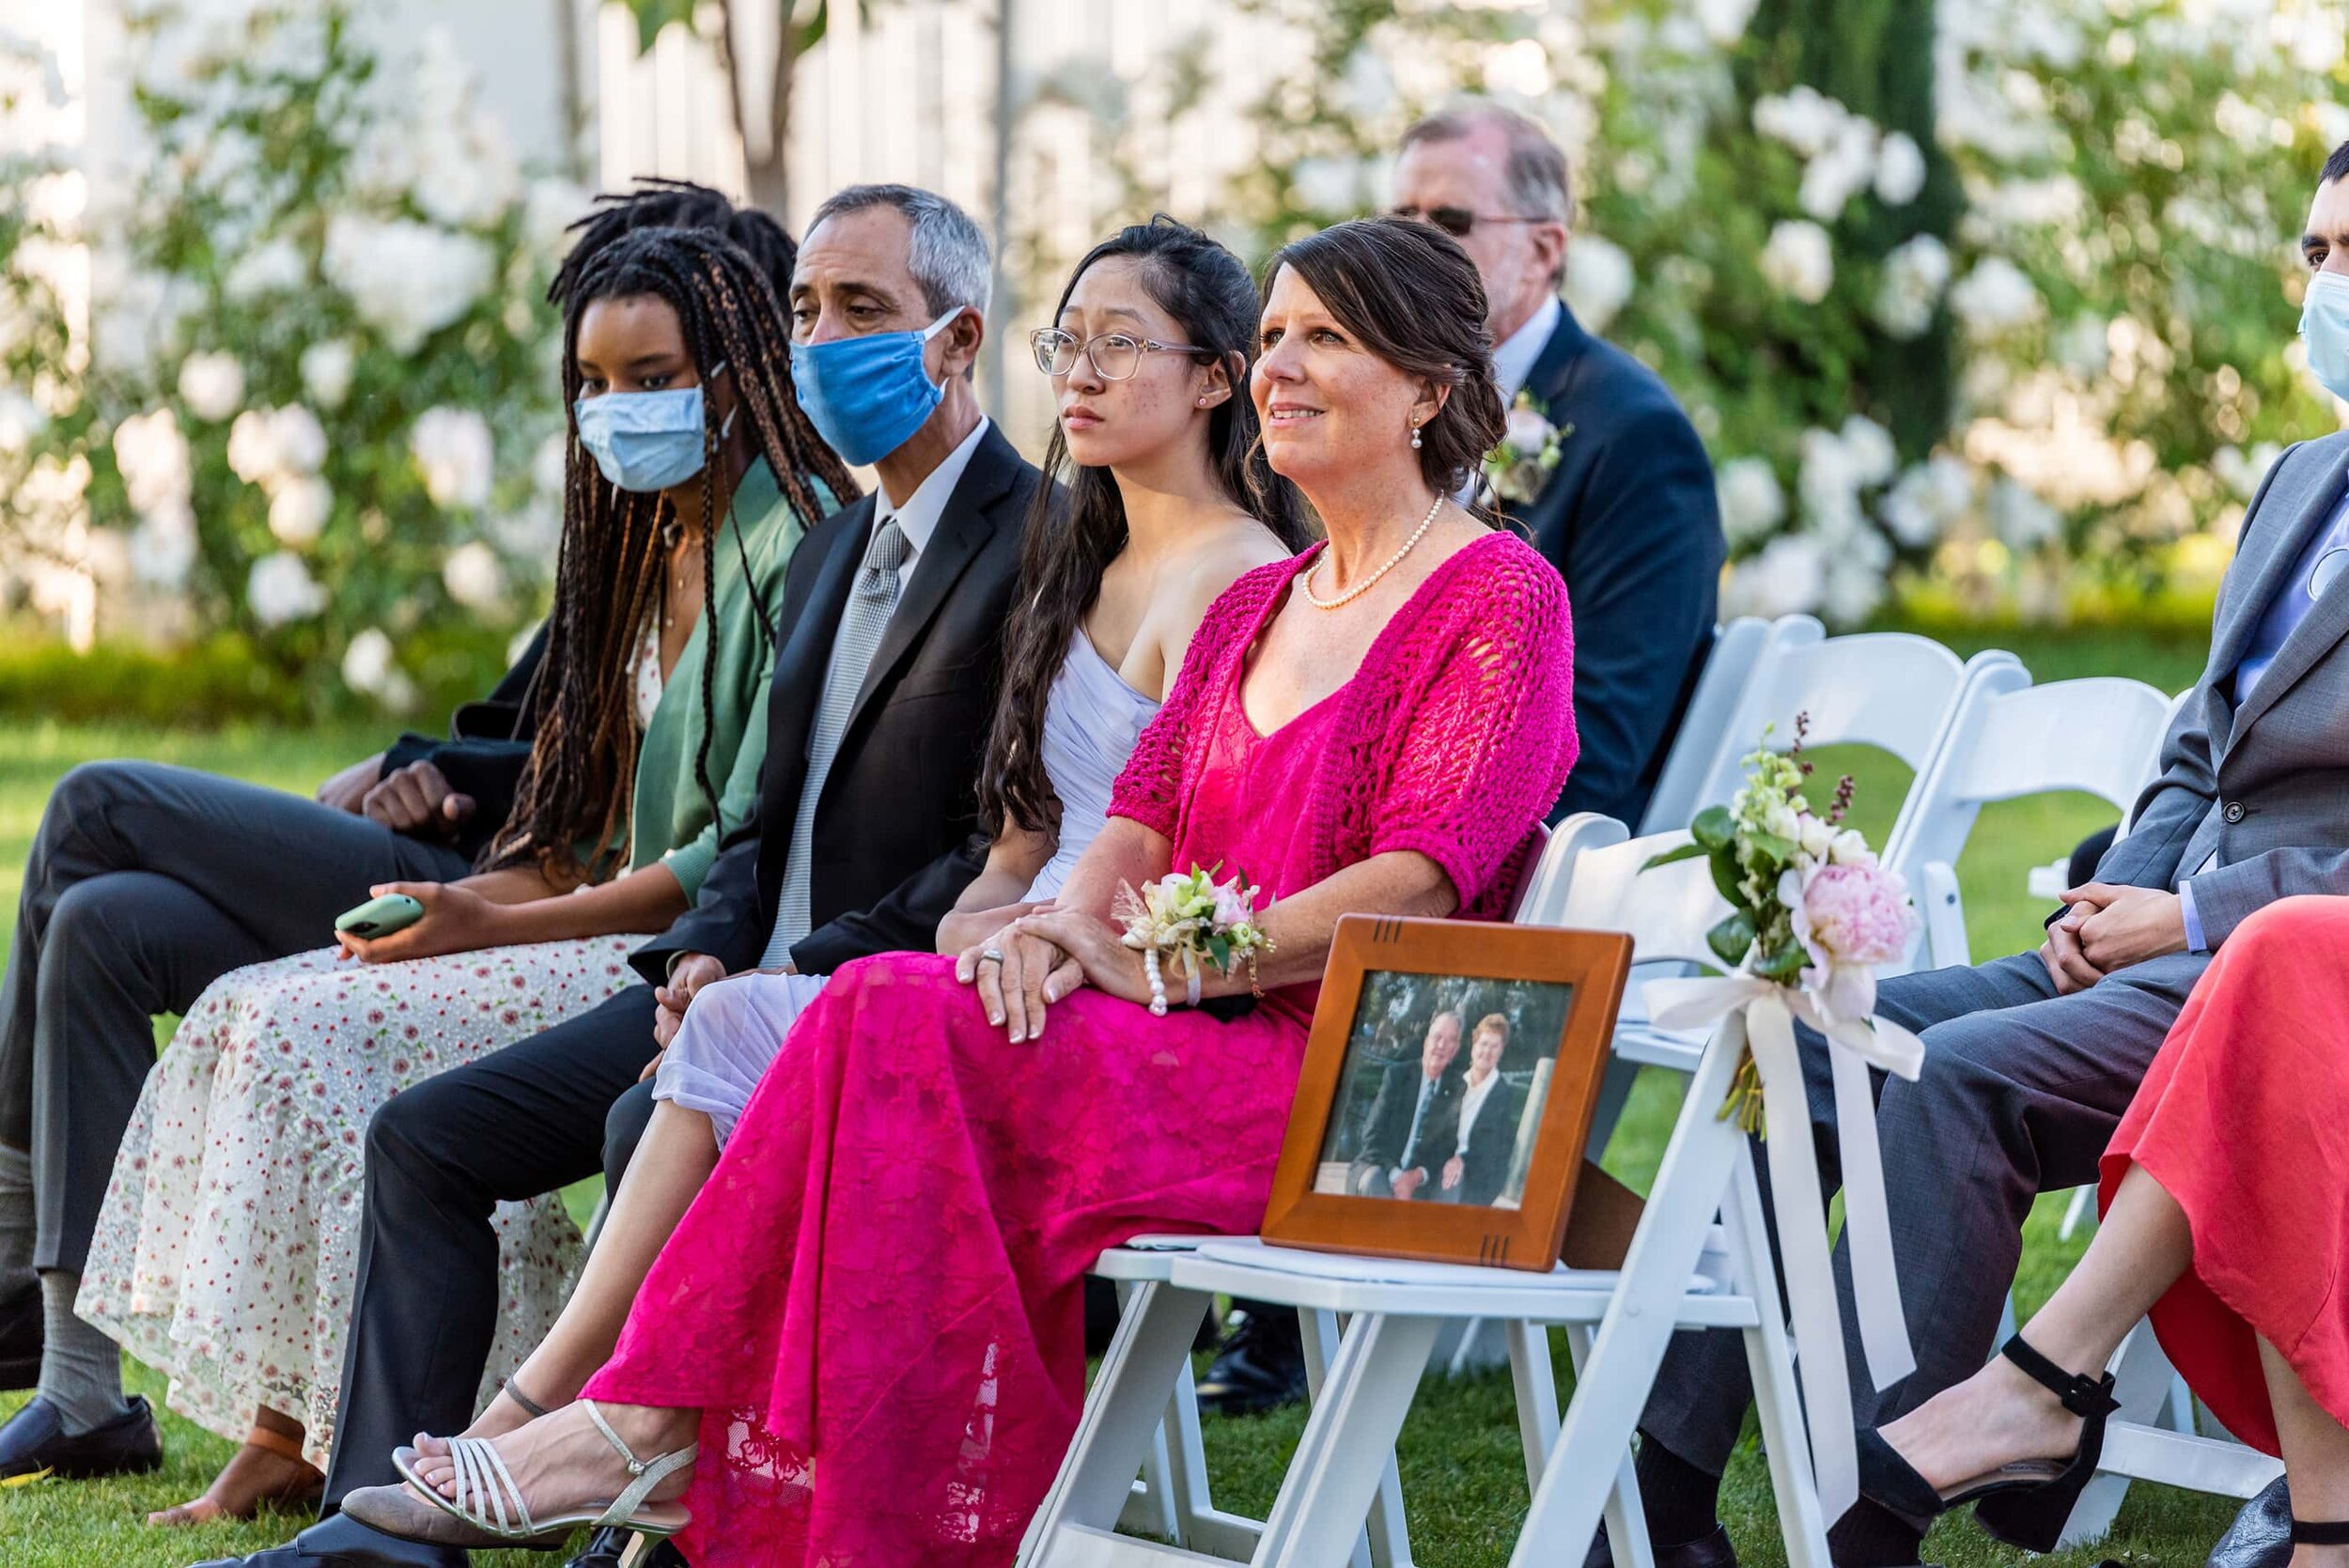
column 226, row 1252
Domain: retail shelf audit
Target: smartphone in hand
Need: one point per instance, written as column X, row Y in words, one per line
column 381, row 916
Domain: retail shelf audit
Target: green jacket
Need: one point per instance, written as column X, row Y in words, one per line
column 669, row 819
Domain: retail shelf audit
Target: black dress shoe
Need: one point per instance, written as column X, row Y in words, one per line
column 20, row 1336
column 2261, row 1536
column 1261, row 1367
column 340, row 1542
column 1705, row 1551
column 34, row 1445
column 607, row 1546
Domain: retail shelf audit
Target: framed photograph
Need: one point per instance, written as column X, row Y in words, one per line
column 1448, row 1090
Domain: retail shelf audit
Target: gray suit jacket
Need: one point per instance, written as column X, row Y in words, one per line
column 2265, row 786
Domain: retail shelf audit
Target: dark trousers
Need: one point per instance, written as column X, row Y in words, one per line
column 145, row 884
column 441, row 1156
column 2020, row 1092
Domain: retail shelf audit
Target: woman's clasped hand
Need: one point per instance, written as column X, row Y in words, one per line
column 1042, row 958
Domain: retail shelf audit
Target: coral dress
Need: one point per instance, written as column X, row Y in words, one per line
column 876, row 1301
column 2244, row 1119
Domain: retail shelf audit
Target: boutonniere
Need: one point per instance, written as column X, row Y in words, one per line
column 1531, row 447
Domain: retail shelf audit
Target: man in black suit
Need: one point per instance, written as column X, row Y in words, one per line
column 1414, row 1122
column 865, row 836
column 1628, row 515
column 1490, row 1107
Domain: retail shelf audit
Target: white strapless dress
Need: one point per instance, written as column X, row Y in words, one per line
column 735, row 1028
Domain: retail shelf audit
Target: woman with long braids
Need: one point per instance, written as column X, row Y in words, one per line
column 224, row 1255
column 1164, row 500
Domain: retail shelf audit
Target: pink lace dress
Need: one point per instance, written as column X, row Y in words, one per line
column 876, row 1301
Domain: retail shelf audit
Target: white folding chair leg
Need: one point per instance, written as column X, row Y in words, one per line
column 1121, row 1418
column 2082, row 1206
column 1154, row 1506
column 1347, row 1454
column 1627, row 1543
column 1384, row 1542
column 1620, row 1371
column 1770, row 1362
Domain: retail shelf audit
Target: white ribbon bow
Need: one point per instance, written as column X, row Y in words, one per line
column 1760, row 1014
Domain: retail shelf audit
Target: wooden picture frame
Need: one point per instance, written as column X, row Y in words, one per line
column 1334, row 1189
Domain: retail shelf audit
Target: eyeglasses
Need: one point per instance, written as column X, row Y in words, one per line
column 1115, row 355
column 1460, row 221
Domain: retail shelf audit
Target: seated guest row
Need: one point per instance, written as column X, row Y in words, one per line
column 228, row 1161
column 871, row 1174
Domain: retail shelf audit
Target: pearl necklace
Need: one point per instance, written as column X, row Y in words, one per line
column 1367, row 584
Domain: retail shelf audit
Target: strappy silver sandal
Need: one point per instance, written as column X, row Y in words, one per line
column 488, row 1500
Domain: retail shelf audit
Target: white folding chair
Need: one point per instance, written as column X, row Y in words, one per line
column 1737, row 651
column 2009, row 739
column 1890, row 691
column 1616, row 1322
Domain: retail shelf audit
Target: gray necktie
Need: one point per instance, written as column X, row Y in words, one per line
column 870, row 603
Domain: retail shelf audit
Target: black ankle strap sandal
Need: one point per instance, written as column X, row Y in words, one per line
column 2319, row 1532
column 2024, row 1504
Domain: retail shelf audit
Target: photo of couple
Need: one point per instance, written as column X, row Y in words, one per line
column 1445, row 1080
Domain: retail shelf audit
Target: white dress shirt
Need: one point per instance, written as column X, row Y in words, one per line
column 1515, row 356
column 917, row 518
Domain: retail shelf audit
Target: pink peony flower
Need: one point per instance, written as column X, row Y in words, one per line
column 1857, row 914
column 1850, row 919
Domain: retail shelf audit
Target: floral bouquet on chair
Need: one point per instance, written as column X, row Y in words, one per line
column 1811, row 916
column 1190, row 920
column 1811, row 910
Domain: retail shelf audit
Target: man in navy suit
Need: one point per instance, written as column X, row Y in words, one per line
column 1628, row 516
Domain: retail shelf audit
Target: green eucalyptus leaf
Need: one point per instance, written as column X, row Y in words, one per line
column 1732, row 938
column 1726, row 875
column 1672, row 857
column 1714, row 827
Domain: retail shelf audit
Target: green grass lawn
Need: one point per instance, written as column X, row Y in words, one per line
column 1462, row 1475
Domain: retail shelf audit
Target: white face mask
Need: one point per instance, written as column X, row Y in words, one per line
column 2325, row 325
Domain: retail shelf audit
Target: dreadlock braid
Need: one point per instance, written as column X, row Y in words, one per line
column 658, row 203
column 578, row 784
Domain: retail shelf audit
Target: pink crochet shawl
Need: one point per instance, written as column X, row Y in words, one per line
column 1453, row 738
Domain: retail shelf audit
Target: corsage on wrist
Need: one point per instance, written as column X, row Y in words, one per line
column 1188, row 922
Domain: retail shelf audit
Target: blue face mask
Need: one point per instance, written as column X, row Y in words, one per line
column 867, row 396
column 646, row 441
column 2324, row 324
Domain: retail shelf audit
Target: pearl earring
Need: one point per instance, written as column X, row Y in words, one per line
column 1414, row 438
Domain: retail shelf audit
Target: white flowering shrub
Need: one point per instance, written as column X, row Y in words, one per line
column 317, row 369
column 2033, row 345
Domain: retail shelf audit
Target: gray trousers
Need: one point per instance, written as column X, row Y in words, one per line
column 145, row 884
column 2020, row 1092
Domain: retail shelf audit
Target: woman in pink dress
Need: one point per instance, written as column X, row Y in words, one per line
column 870, row 1317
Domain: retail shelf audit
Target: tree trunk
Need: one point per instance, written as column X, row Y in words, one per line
column 768, row 175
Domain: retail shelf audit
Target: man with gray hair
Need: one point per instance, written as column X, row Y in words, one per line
column 1628, row 516
column 866, row 833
